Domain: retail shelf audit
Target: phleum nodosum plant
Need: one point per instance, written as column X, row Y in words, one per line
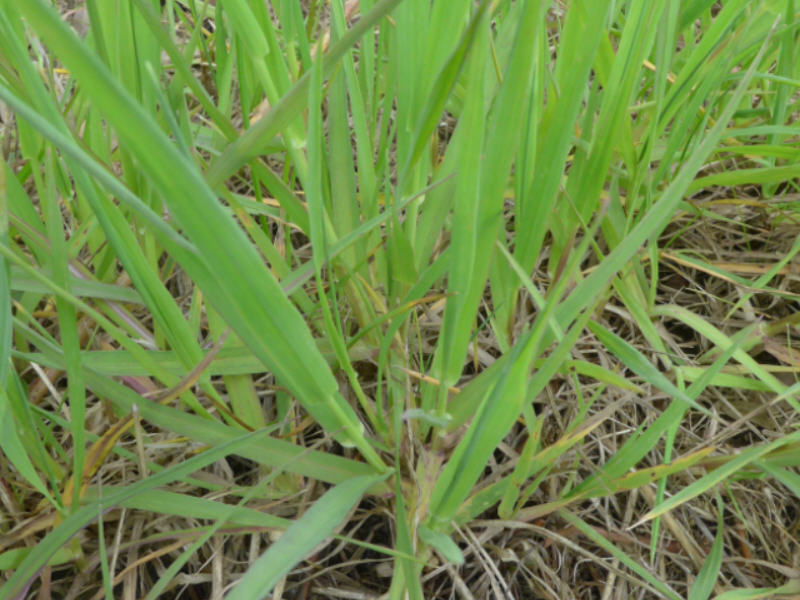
column 387, row 277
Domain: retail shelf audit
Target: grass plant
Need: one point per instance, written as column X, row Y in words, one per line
column 399, row 299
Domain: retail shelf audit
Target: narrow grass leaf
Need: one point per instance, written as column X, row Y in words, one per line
column 718, row 475
column 589, row 172
column 740, row 177
column 592, row 534
column 601, row 487
column 443, row 544
column 692, row 11
column 645, row 439
column 582, row 367
column 229, row 271
column 443, row 86
column 467, row 266
column 722, row 342
column 5, row 285
column 476, row 223
column 640, row 365
column 15, row 450
column 172, row 503
column 82, row 288
column 90, row 166
column 244, row 21
column 728, row 380
column 664, row 208
column 577, row 51
column 183, row 68
column 300, row 539
column 250, row 144
column 408, row 569
column 789, row 590
column 495, row 415
column 11, row 559
column 788, row 478
column 267, row 451
column 703, row 586
column 19, row 582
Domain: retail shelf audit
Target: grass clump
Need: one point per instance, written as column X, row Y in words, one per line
column 399, row 299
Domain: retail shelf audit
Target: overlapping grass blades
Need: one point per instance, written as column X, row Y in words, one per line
column 419, row 223
column 238, row 284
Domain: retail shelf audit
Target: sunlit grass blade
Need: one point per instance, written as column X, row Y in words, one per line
column 477, row 220
column 467, row 266
column 589, row 171
column 446, row 79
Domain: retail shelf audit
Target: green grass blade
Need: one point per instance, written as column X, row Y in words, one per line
column 790, row 589
column 663, row 209
column 314, row 527
column 703, row 586
column 15, row 451
column 639, row 364
column 578, row 45
column 38, row 557
column 612, row 549
column 230, row 272
column 467, row 265
column 719, row 475
column 637, row 447
column 249, row 145
column 5, row 284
